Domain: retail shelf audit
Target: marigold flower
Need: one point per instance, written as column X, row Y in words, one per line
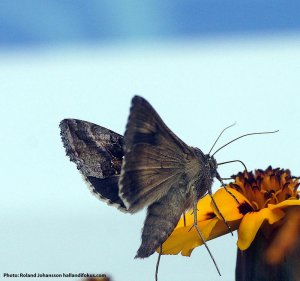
column 264, row 198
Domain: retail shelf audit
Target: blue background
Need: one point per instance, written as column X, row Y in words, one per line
column 201, row 64
column 31, row 22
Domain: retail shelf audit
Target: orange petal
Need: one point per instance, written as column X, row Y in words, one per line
column 227, row 204
column 252, row 222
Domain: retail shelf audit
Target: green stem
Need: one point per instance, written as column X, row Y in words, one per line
column 251, row 264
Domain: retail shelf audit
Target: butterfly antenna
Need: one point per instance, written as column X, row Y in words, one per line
column 260, row 133
column 222, row 163
column 220, row 136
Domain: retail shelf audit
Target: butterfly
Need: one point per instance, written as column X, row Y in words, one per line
column 148, row 167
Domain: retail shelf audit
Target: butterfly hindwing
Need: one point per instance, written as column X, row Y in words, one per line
column 97, row 153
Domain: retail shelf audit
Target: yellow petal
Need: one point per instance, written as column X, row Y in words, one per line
column 219, row 229
column 177, row 241
column 284, row 204
column 207, row 229
column 204, row 213
column 185, row 239
column 252, row 222
column 227, row 204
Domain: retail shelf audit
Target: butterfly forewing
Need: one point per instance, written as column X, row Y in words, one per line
column 145, row 126
column 155, row 158
column 98, row 153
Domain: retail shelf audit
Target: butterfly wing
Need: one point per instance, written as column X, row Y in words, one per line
column 98, row 153
column 155, row 159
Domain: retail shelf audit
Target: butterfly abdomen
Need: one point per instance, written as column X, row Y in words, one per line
column 162, row 218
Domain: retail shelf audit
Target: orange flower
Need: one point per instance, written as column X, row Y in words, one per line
column 264, row 198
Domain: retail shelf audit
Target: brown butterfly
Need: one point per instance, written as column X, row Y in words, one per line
column 150, row 167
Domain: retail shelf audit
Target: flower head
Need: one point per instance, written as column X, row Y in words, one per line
column 263, row 200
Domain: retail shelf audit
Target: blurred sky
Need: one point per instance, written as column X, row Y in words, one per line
column 201, row 64
column 30, row 22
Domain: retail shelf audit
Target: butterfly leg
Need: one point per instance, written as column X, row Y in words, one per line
column 157, row 263
column 224, row 186
column 199, row 232
column 232, row 195
column 218, row 210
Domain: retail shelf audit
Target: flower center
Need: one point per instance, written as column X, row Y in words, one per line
column 261, row 188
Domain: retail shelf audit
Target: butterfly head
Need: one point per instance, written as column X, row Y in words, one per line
column 211, row 165
column 208, row 163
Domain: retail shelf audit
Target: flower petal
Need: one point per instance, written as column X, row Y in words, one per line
column 219, row 229
column 284, row 204
column 252, row 222
column 227, row 204
column 204, row 213
column 185, row 239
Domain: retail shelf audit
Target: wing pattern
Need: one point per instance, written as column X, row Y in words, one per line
column 97, row 153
